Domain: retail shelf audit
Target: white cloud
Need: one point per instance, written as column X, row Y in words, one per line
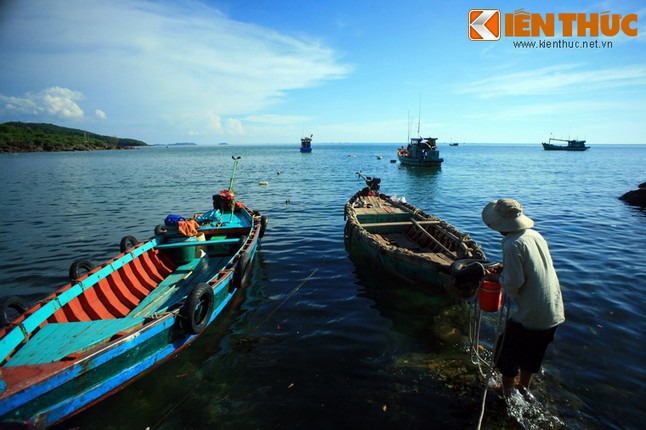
column 555, row 79
column 100, row 114
column 234, row 127
column 54, row 102
column 216, row 124
column 158, row 63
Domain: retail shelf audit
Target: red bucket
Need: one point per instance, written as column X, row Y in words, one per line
column 490, row 296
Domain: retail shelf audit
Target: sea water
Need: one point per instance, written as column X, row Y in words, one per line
column 318, row 340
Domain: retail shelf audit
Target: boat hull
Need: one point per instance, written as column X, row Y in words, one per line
column 405, row 267
column 99, row 357
column 394, row 236
column 409, row 161
column 575, row 146
column 552, row 147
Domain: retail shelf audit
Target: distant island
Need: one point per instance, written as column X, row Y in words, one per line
column 40, row 137
column 175, row 144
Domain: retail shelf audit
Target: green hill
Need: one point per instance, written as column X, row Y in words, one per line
column 38, row 137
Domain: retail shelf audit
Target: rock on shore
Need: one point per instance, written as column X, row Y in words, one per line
column 636, row 197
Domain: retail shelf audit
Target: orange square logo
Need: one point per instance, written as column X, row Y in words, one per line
column 484, row 24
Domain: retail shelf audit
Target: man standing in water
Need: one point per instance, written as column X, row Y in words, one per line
column 529, row 278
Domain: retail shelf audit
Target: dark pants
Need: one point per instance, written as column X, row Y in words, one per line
column 521, row 348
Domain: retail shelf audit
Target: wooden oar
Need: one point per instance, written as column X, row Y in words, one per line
column 429, row 235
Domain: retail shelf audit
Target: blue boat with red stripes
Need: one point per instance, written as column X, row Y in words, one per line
column 114, row 322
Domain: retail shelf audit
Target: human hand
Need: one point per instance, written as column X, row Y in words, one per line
column 493, row 273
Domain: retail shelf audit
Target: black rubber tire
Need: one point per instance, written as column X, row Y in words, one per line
column 6, row 305
column 127, row 242
column 241, row 242
column 263, row 225
column 467, row 266
column 196, row 312
column 76, row 267
column 467, row 274
column 241, row 270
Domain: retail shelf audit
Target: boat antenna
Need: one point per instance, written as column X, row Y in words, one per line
column 419, row 118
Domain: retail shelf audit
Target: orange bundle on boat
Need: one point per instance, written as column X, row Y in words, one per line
column 224, row 200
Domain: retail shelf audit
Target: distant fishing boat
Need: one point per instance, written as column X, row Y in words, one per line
column 121, row 319
column 410, row 244
column 572, row 145
column 421, row 151
column 453, row 144
column 306, row 143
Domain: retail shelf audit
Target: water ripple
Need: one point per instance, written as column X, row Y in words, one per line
column 319, row 339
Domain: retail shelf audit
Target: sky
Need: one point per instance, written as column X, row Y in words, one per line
column 260, row 72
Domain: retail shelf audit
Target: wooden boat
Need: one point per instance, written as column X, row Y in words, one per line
column 119, row 320
column 412, row 245
column 572, row 145
column 306, row 143
column 421, row 151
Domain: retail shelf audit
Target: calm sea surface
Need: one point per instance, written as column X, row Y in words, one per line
column 316, row 341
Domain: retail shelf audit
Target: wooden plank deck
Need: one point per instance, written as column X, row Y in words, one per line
column 396, row 223
column 58, row 340
column 400, row 240
column 403, row 241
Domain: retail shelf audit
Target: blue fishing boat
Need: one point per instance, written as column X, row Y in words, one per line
column 306, row 143
column 114, row 322
column 392, row 235
column 572, row 145
column 421, row 151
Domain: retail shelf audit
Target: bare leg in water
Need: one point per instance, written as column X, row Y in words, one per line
column 508, row 383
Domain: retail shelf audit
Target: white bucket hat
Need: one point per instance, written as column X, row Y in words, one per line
column 505, row 215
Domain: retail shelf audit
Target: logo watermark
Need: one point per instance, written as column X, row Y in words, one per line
column 487, row 25
column 484, row 24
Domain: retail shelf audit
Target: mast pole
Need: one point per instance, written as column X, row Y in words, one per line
column 419, row 118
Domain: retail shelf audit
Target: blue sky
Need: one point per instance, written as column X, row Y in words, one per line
column 346, row 71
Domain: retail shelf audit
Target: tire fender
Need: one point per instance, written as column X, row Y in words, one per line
column 127, row 242
column 160, row 229
column 263, row 225
column 77, row 266
column 196, row 312
column 242, row 241
column 241, row 269
column 467, row 273
column 6, row 305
